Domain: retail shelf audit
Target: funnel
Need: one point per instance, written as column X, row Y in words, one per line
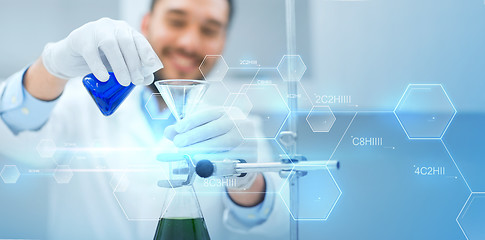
column 181, row 95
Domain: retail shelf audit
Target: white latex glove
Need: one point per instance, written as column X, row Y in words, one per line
column 129, row 54
column 211, row 134
column 207, row 131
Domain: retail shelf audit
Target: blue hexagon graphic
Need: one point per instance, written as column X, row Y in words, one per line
column 278, row 152
column 240, row 106
column 216, row 94
column 425, row 111
column 304, row 103
column 138, row 194
column 213, row 68
column 267, row 76
column 236, row 78
column 152, row 108
column 269, row 108
column 46, row 148
column 10, row 174
column 472, row 217
column 318, row 199
column 291, row 68
column 321, row 119
column 63, row 174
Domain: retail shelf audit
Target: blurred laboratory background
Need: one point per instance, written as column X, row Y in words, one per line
column 370, row 50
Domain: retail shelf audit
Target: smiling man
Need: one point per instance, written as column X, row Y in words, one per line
column 47, row 101
column 182, row 33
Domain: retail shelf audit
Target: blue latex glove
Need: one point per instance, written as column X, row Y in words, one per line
column 207, row 131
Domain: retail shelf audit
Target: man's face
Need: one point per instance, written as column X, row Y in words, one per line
column 183, row 32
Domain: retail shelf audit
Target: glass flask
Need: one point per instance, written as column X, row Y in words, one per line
column 182, row 219
column 107, row 95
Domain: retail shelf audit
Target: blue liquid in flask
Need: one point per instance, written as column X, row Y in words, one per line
column 107, row 95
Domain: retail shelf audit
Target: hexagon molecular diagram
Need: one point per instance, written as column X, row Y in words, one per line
column 267, row 76
column 139, row 196
column 472, row 217
column 152, row 108
column 46, row 148
column 425, row 111
column 10, row 174
column 216, row 94
column 269, row 108
column 238, row 106
column 304, row 103
column 63, row 174
column 318, row 199
column 236, row 78
column 213, row 68
column 321, row 119
column 291, row 68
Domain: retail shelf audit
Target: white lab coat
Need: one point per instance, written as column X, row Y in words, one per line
column 117, row 205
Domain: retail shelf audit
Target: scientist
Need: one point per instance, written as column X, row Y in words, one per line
column 47, row 101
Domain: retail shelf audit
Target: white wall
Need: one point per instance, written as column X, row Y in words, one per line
column 27, row 25
column 370, row 49
column 373, row 49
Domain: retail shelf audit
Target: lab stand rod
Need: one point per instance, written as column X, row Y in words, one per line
column 279, row 166
column 294, row 188
column 292, row 124
column 227, row 167
column 292, row 82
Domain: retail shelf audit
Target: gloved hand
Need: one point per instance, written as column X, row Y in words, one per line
column 207, row 131
column 129, row 54
column 211, row 134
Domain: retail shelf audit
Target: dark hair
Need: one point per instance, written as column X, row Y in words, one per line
column 231, row 8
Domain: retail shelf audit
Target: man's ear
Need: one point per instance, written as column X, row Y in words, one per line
column 145, row 23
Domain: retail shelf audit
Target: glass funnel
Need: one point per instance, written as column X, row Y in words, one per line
column 182, row 95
